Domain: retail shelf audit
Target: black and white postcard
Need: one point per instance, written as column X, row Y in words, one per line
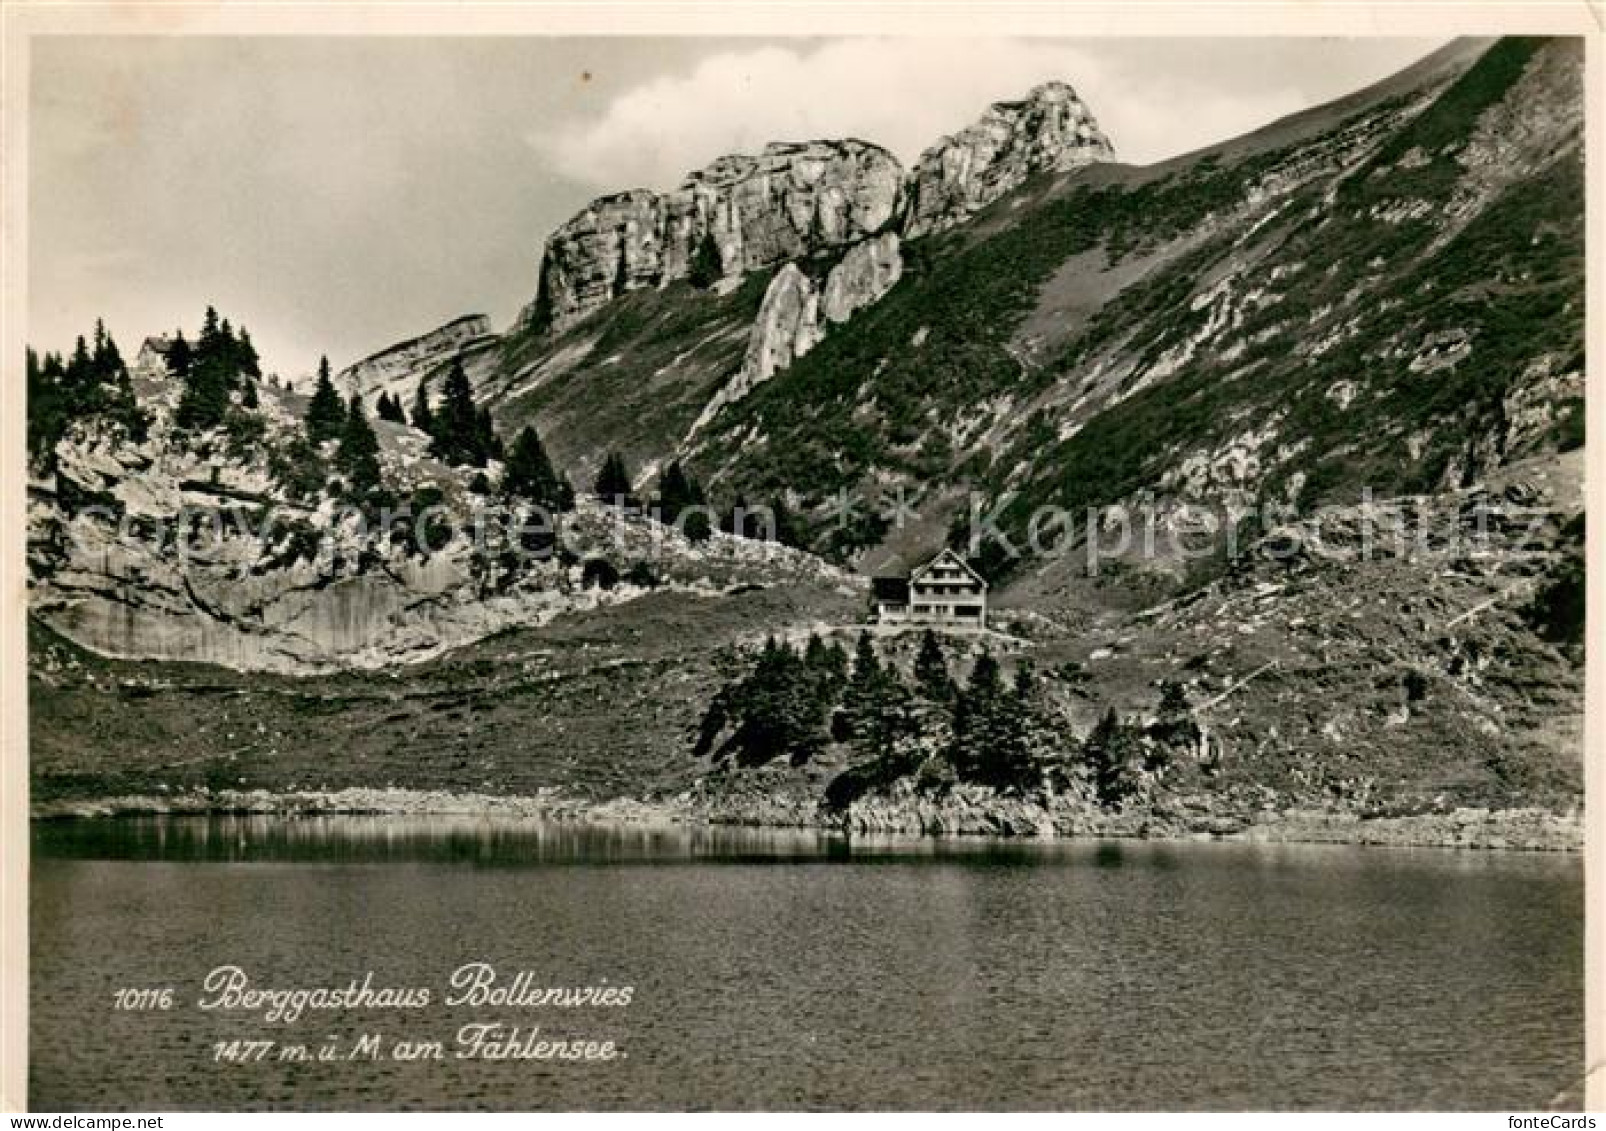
column 658, row 560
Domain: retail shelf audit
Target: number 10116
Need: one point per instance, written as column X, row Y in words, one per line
column 136, row 999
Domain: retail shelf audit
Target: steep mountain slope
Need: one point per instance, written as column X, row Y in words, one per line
column 1392, row 303
column 397, row 370
column 1334, row 264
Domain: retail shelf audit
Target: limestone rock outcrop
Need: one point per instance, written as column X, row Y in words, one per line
column 787, row 327
column 796, row 311
column 739, row 214
column 169, row 549
column 397, row 369
column 791, row 200
column 1050, row 130
column 868, row 271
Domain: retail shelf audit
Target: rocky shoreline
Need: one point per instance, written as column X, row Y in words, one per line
column 961, row 813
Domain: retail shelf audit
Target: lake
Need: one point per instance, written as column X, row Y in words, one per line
column 794, row 970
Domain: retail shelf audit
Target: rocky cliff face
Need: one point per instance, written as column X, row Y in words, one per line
column 793, row 200
column 397, row 369
column 799, row 203
column 868, row 271
column 1050, row 130
column 190, row 547
column 788, row 325
column 797, row 310
column 740, row 214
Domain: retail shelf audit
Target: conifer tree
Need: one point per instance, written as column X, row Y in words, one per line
column 680, row 495
column 677, row 490
column 209, row 346
column 785, row 531
column 613, row 481
column 1107, row 752
column 488, row 445
column 80, row 365
column 246, row 353
column 531, row 476
column 179, row 356
column 990, row 742
column 110, row 360
column 1025, row 682
column 1175, row 729
column 866, row 664
column 706, row 267
column 211, row 377
column 931, row 670
column 423, row 417
column 44, row 407
column 326, row 416
column 861, row 699
column 358, row 454
column 459, row 432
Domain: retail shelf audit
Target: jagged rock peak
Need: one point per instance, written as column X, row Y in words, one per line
column 744, row 212
column 740, row 213
column 1051, row 129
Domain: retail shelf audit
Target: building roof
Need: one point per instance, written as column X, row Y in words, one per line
column 157, row 345
column 894, row 590
column 949, row 556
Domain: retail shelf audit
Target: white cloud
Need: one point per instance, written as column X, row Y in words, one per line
column 900, row 93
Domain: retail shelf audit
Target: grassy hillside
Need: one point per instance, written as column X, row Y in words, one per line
column 632, row 378
column 600, row 704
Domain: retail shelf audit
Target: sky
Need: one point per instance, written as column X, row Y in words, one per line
column 336, row 195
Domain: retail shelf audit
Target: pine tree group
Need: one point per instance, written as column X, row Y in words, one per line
column 761, row 523
column 1108, row 753
column 530, row 476
column 93, row 383
column 461, row 433
column 212, row 371
column 990, row 744
column 389, row 408
column 780, row 710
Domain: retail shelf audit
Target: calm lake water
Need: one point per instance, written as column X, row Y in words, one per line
column 784, row 970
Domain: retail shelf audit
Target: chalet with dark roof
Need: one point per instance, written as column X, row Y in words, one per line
column 943, row 593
